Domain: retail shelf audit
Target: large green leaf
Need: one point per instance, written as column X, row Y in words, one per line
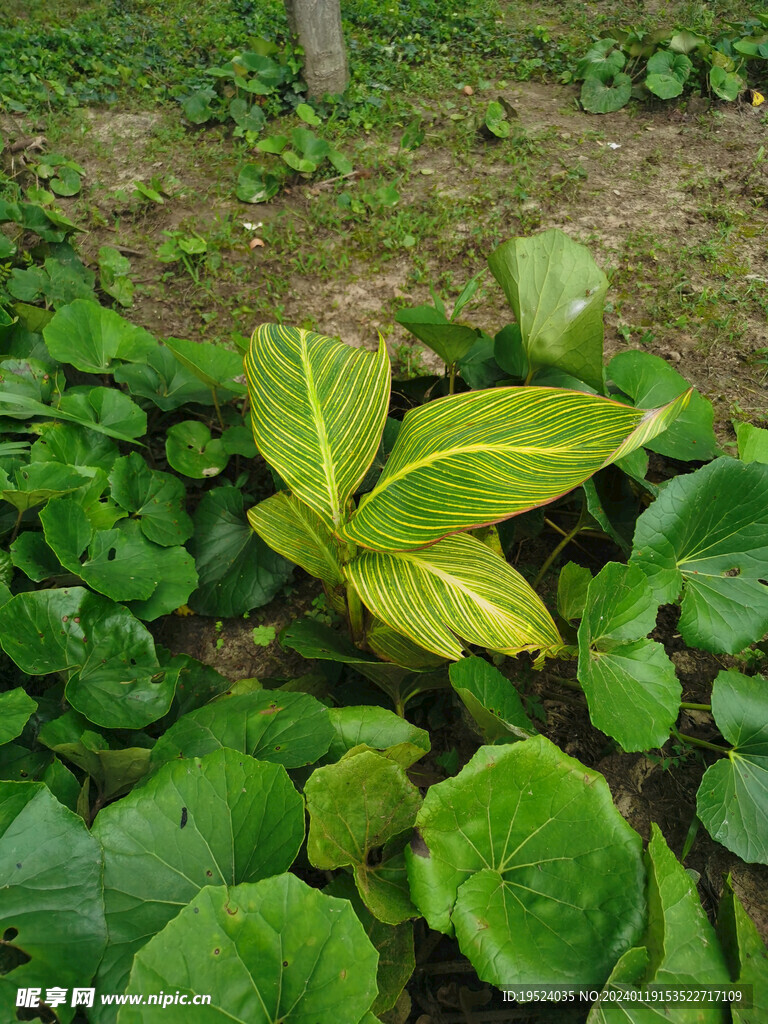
column 605, row 91
column 480, row 457
column 105, row 408
column 379, row 729
column 15, row 708
column 236, row 569
column 292, row 729
column 220, row 820
column 557, row 292
column 752, row 442
column 37, row 482
column 679, row 951
column 73, row 445
column 746, row 955
column 115, row 679
column 52, row 909
column 95, row 339
column 457, row 588
column 318, row 409
column 732, row 801
column 629, row 682
column 524, row 854
column 650, row 382
column 707, row 536
column 247, row 947
column 120, row 562
column 214, row 366
column 114, row 771
column 163, row 380
column 356, row 806
column 292, row 528
column 155, row 498
column 393, row 944
column 492, row 700
column 451, row 341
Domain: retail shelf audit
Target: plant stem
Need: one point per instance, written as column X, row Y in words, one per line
column 216, row 407
column 16, row 525
column 563, row 543
column 452, row 379
column 355, row 612
column 694, row 742
column 695, row 707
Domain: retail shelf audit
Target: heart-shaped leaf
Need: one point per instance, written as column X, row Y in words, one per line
column 524, row 854
column 163, row 380
column 214, row 366
column 106, row 407
column 732, row 801
column 605, row 91
column 220, row 820
column 378, row 729
column 256, row 185
column 696, row 539
column 290, row 980
column 52, row 909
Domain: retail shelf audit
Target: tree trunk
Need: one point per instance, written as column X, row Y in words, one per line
column 316, row 24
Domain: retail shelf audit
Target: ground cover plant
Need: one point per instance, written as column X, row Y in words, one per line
column 468, row 580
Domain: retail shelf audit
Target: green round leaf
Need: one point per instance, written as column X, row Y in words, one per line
column 255, row 185
column 292, row 729
column 618, row 668
column 74, row 445
column 50, row 877
column 191, row 450
column 707, row 535
column 236, row 569
column 106, row 407
column 248, row 948
column 667, row 64
column 725, row 84
column 732, row 801
column 66, row 182
column 524, row 854
column 214, row 366
column 220, row 820
column 94, row 339
column 665, row 86
column 606, row 91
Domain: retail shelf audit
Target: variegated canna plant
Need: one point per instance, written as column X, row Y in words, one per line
column 400, row 563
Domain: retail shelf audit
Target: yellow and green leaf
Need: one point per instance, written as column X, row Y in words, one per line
column 469, row 460
column 293, row 530
column 318, row 409
column 455, row 590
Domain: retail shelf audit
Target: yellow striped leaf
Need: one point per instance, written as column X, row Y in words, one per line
column 473, row 459
column 318, row 409
column 294, row 531
column 455, row 590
